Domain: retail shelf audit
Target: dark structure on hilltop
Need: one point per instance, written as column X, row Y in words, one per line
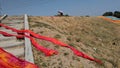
column 61, row 13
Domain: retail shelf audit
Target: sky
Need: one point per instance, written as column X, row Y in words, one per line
column 50, row 7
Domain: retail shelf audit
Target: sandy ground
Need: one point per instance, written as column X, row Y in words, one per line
column 92, row 35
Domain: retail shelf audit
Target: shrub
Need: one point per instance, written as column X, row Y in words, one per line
column 108, row 14
column 117, row 14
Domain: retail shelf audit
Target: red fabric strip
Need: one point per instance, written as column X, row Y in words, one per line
column 46, row 51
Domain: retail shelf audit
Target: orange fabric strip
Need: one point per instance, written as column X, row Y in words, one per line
column 7, row 60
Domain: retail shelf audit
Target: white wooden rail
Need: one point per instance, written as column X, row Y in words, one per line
column 28, row 48
column 3, row 17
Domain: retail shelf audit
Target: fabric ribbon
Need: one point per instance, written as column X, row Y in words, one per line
column 49, row 52
column 7, row 60
column 46, row 51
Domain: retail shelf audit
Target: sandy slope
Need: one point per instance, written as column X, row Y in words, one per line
column 91, row 35
column 110, row 20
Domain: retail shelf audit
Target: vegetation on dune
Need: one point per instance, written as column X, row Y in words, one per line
column 115, row 14
column 108, row 14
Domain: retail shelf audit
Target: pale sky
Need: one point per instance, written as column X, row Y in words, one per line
column 50, row 7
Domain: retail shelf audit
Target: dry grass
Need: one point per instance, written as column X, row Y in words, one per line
column 94, row 36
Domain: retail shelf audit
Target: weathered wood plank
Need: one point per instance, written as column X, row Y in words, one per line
column 28, row 48
column 3, row 17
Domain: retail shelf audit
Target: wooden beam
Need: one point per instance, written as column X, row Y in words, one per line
column 28, row 48
column 3, row 17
